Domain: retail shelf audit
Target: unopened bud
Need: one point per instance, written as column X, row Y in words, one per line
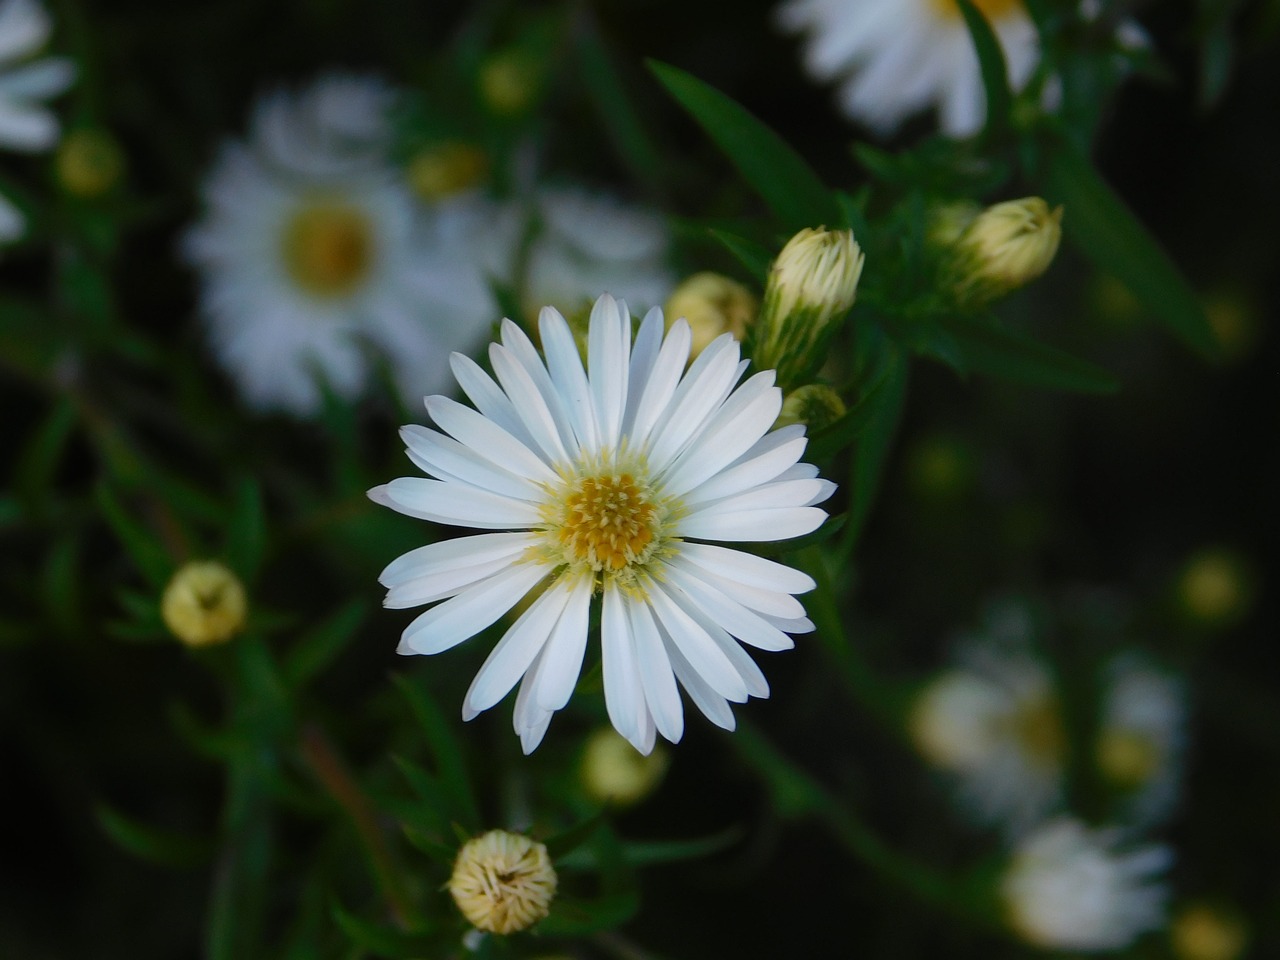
column 510, row 81
column 446, row 169
column 614, row 772
column 812, row 284
column 88, row 163
column 1004, row 247
column 1215, row 587
column 204, row 604
column 1201, row 932
column 713, row 304
column 503, row 882
column 815, row 405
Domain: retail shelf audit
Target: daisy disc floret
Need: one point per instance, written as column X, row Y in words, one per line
column 602, row 486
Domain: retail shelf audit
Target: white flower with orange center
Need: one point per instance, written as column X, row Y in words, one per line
column 606, row 482
column 895, row 58
column 312, row 253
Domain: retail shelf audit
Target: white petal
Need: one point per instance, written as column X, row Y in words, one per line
column 448, row 624
column 644, row 354
column 562, row 659
column 702, row 388
column 565, row 366
column 698, row 648
column 39, row 80
column 746, row 625
column 522, row 348
column 530, row 720
column 753, row 470
column 608, row 363
column 770, row 496
column 488, row 439
column 530, row 405
column 758, row 526
column 455, row 504
column 515, row 652
column 30, row 129
column 488, row 397
column 446, row 458
column 656, row 676
column 441, row 584
column 713, row 706
column 663, row 381
column 752, row 677
column 734, row 429
column 763, row 601
column 462, row 551
column 623, row 695
column 747, row 568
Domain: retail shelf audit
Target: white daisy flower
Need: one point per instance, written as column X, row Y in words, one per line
column 1141, row 737
column 994, row 723
column 311, row 251
column 1068, row 888
column 25, row 124
column 607, row 482
column 895, row 58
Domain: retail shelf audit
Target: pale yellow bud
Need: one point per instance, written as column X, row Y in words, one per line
column 510, row 82
column 446, row 169
column 88, row 163
column 1003, row 248
column 204, row 604
column 812, row 283
column 1200, row 932
column 815, row 405
column 614, row 772
column 713, row 304
column 503, row 882
column 1214, row 588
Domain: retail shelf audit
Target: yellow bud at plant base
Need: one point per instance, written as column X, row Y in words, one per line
column 204, row 604
column 812, row 283
column 1200, row 932
column 1006, row 246
column 446, row 169
column 510, row 82
column 614, row 772
column 503, row 882
column 1214, row 588
column 713, row 304
column 815, row 405
column 88, row 163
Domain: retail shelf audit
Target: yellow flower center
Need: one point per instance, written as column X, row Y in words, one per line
column 328, row 248
column 1038, row 728
column 608, row 522
column 1128, row 757
column 991, row 9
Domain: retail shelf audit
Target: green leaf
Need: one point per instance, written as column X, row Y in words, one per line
column 573, row 917
column 754, row 256
column 446, row 751
column 151, row 559
column 1108, row 233
column 432, row 809
column 569, row 840
column 829, row 442
column 876, row 439
column 38, row 462
column 320, row 645
column 648, row 853
column 385, row 941
column 246, row 541
column 166, row 847
column 995, row 72
column 991, row 348
column 782, row 178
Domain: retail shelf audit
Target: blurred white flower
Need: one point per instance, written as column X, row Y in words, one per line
column 1141, row 737
column 312, row 251
column 994, row 722
column 894, row 58
column 1068, row 887
column 601, row 482
column 585, row 243
column 26, row 125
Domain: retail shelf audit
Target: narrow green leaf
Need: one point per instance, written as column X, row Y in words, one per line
column 433, row 796
column 152, row 561
column 995, row 71
column 572, row 917
column 446, row 751
column 876, row 439
column 320, row 645
column 166, row 847
column 754, row 256
column 385, row 941
column 569, row 840
column 783, row 179
column 40, row 457
column 991, row 348
column 246, row 540
column 1108, row 233
column 239, row 897
column 648, row 853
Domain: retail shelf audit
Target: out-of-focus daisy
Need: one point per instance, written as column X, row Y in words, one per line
column 995, row 723
column 311, row 253
column 606, row 482
column 584, row 243
column 1068, row 887
column 895, row 58
column 1140, row 736
column 26, row 125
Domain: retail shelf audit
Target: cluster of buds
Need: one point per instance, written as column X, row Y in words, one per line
column 987, row 253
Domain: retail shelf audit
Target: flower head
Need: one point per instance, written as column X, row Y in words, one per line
column 713, row 304
column 1002, row 248
column 311, row 253
column 503, row 882
column 204, row 604
column 1067, row 887
column 812, row 283
column 606, row 483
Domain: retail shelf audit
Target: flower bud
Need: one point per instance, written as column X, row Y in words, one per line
column 614, row 772
column 815, row 405
column 1215, row 588
column 503, row 882
column 204, row 604
column 445, row 169
column 510, row 82
column 1201, row 932
column 1002, row 248
column 713, row 304
column 811, row 285
column 88, row 163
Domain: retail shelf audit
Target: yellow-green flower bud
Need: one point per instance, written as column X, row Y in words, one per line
column 503, row 882
column 510, row 81
column 1201, row 932
column 88, row 163
column 812, row 284
column 713, row 304
column 445, row 169
column 1002, row 248
column 204, row 604
column 815, row 405
column 614, row 772
column 1215, row 588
